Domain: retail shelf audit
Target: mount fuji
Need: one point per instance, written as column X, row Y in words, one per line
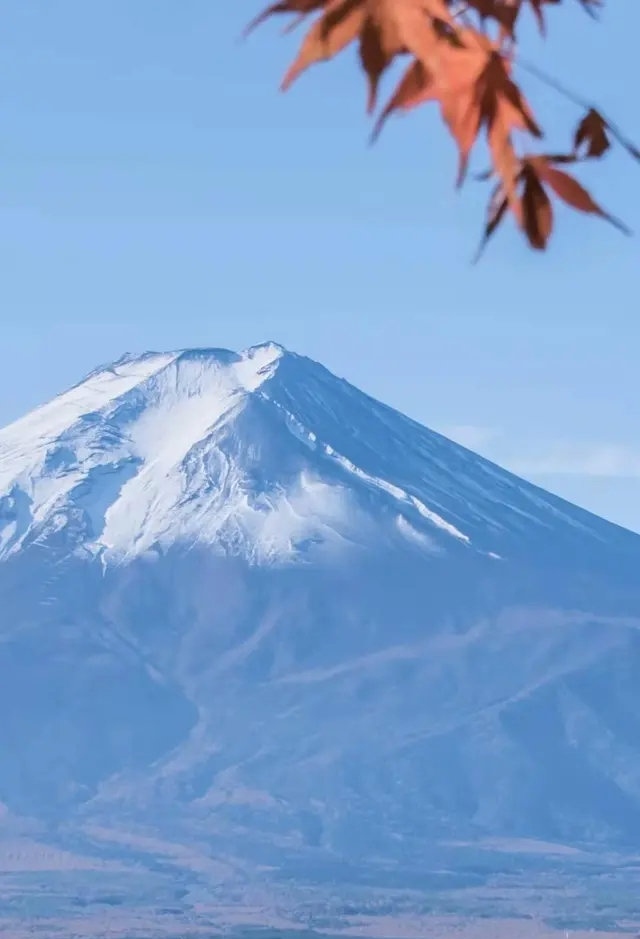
column 247, row 607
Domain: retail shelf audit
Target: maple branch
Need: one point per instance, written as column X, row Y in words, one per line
column 461, row 54
column 578, row 100
column 554, row 83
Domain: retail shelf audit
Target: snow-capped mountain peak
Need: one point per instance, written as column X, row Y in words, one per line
column 261, row 453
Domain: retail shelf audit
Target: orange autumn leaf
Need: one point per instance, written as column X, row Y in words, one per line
column 593, row 136
column 481, row 95
column 536, row 215
column 475, row 92
column 592, row 133
column 537, row 177
column 384, row 28
column 416, row 87
column 340, row 25
column 567, row 188
column 496, row 211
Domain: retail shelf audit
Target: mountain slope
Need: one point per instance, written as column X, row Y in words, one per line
column 240, row 597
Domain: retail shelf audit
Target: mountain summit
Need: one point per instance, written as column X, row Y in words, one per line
column 242, row 601
column 262, row 454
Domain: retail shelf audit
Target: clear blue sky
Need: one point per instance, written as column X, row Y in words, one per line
column 156, row 191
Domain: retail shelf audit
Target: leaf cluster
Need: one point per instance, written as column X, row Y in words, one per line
column 460, row 56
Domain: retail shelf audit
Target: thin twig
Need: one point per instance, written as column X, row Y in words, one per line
column 578, row 100
column 552, row 82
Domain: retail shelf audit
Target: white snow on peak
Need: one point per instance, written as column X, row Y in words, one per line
column 39, row 428
column 143, row 453
column 260, row 453
column 196, row 374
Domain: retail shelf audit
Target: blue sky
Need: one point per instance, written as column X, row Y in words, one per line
column 156, row 191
